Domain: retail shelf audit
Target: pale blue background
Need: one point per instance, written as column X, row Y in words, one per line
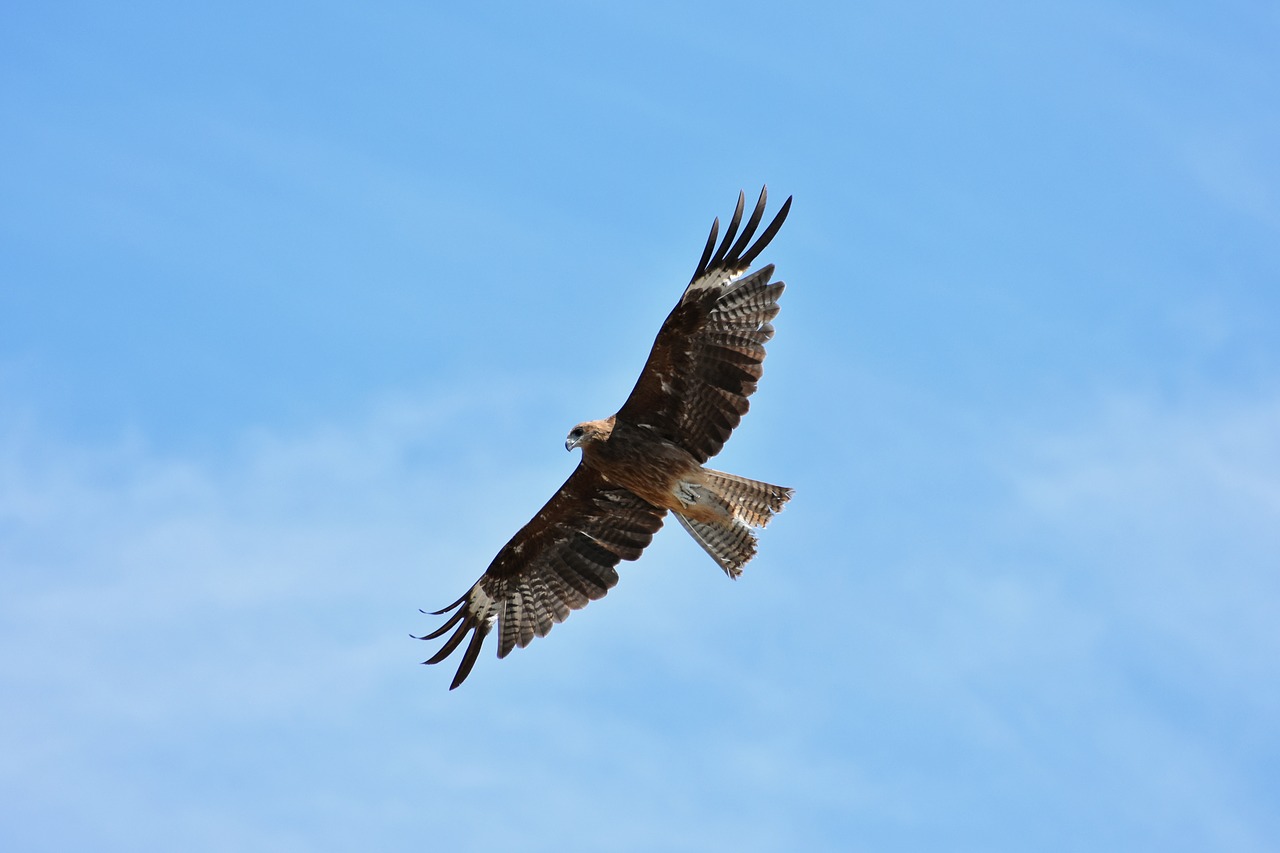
column 298, row 302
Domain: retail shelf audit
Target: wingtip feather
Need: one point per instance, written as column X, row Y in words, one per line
column 737, row 251
column 442, row 611
column 469, row 657
column 729, row 233
column 706, row 252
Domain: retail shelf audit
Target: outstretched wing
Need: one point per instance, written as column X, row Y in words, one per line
column 709, row 353
column 562, row 559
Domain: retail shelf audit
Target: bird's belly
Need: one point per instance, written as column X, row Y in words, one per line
column 654, row 470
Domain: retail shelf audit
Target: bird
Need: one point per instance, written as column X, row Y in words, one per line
column 645, row 460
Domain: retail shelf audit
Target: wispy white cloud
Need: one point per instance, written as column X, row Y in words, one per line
column 160, row 603
column 1176, row 513
column 1111, row 615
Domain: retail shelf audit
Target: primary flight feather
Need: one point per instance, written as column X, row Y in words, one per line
column 645, row 460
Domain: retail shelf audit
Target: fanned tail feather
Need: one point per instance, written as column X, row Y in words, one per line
column 751, row 501
column 745, row 504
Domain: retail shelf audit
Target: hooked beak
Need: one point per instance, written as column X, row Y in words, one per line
column 569, row 443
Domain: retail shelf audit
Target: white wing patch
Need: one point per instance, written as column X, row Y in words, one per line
column 718, row 280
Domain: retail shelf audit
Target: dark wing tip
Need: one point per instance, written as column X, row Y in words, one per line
column 463, row 620
column 752, row 224
column 769, row 233
column 470, row 655
column 706, row 253
column 478, row 631
column 738, row 256
column 443, row 610
column 731, row 231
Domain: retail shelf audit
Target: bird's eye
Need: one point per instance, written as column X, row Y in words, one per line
column 577, row 432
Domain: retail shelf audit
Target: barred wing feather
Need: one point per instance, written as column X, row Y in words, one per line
column 557, row 563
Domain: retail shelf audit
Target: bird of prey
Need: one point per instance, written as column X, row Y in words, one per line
column 645, row 460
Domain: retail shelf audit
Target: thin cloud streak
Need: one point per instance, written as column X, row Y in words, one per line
column 273, row 590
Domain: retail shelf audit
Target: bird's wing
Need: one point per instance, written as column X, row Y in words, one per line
column 562, row 559
column 709, row 353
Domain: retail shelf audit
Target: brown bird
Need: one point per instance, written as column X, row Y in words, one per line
column 644, row 460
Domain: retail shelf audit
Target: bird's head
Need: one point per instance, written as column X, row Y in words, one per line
column 588, row 432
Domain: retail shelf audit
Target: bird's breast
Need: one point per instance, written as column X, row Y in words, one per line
column 639, row 460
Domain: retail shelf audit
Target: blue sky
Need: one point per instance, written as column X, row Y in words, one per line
column 298, row 303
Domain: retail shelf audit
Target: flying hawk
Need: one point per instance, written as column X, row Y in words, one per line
column 645, row 460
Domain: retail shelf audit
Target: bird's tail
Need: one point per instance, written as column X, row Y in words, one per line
column 740, row 505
